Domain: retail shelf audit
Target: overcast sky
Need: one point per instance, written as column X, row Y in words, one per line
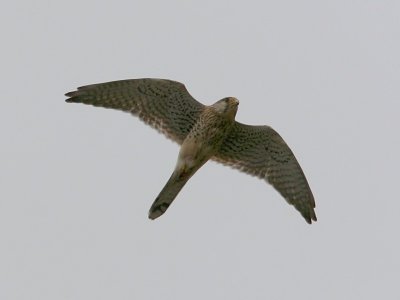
column 77, row 181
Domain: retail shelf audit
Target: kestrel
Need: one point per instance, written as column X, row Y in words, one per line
column 204, row 132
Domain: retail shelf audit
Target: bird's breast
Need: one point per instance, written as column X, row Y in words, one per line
column 205, row 138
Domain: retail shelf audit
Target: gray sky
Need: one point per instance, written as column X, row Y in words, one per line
column 77, row 181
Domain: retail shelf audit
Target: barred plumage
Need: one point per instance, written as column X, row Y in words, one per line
column 204, row 132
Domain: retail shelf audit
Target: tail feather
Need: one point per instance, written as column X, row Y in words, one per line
column 167, row 195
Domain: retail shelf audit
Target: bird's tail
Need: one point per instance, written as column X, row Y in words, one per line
column 167, row 194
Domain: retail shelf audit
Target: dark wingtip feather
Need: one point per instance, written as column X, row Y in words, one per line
column 73, row 97
column 310, row 217
column 314, row 218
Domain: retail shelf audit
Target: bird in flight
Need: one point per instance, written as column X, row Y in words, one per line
column 204, row 133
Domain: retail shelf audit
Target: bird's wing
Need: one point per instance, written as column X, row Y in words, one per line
column 260, row 151
column 163, row 104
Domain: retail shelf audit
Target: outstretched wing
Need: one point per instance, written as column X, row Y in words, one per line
column 260, row 151
column 163, row 104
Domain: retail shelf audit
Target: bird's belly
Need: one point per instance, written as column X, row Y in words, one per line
column 202, row 143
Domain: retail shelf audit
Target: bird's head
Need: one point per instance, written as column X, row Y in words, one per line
column 227, row 106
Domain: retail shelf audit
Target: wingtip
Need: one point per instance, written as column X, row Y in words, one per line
column 70, row 96
column 311, row 217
